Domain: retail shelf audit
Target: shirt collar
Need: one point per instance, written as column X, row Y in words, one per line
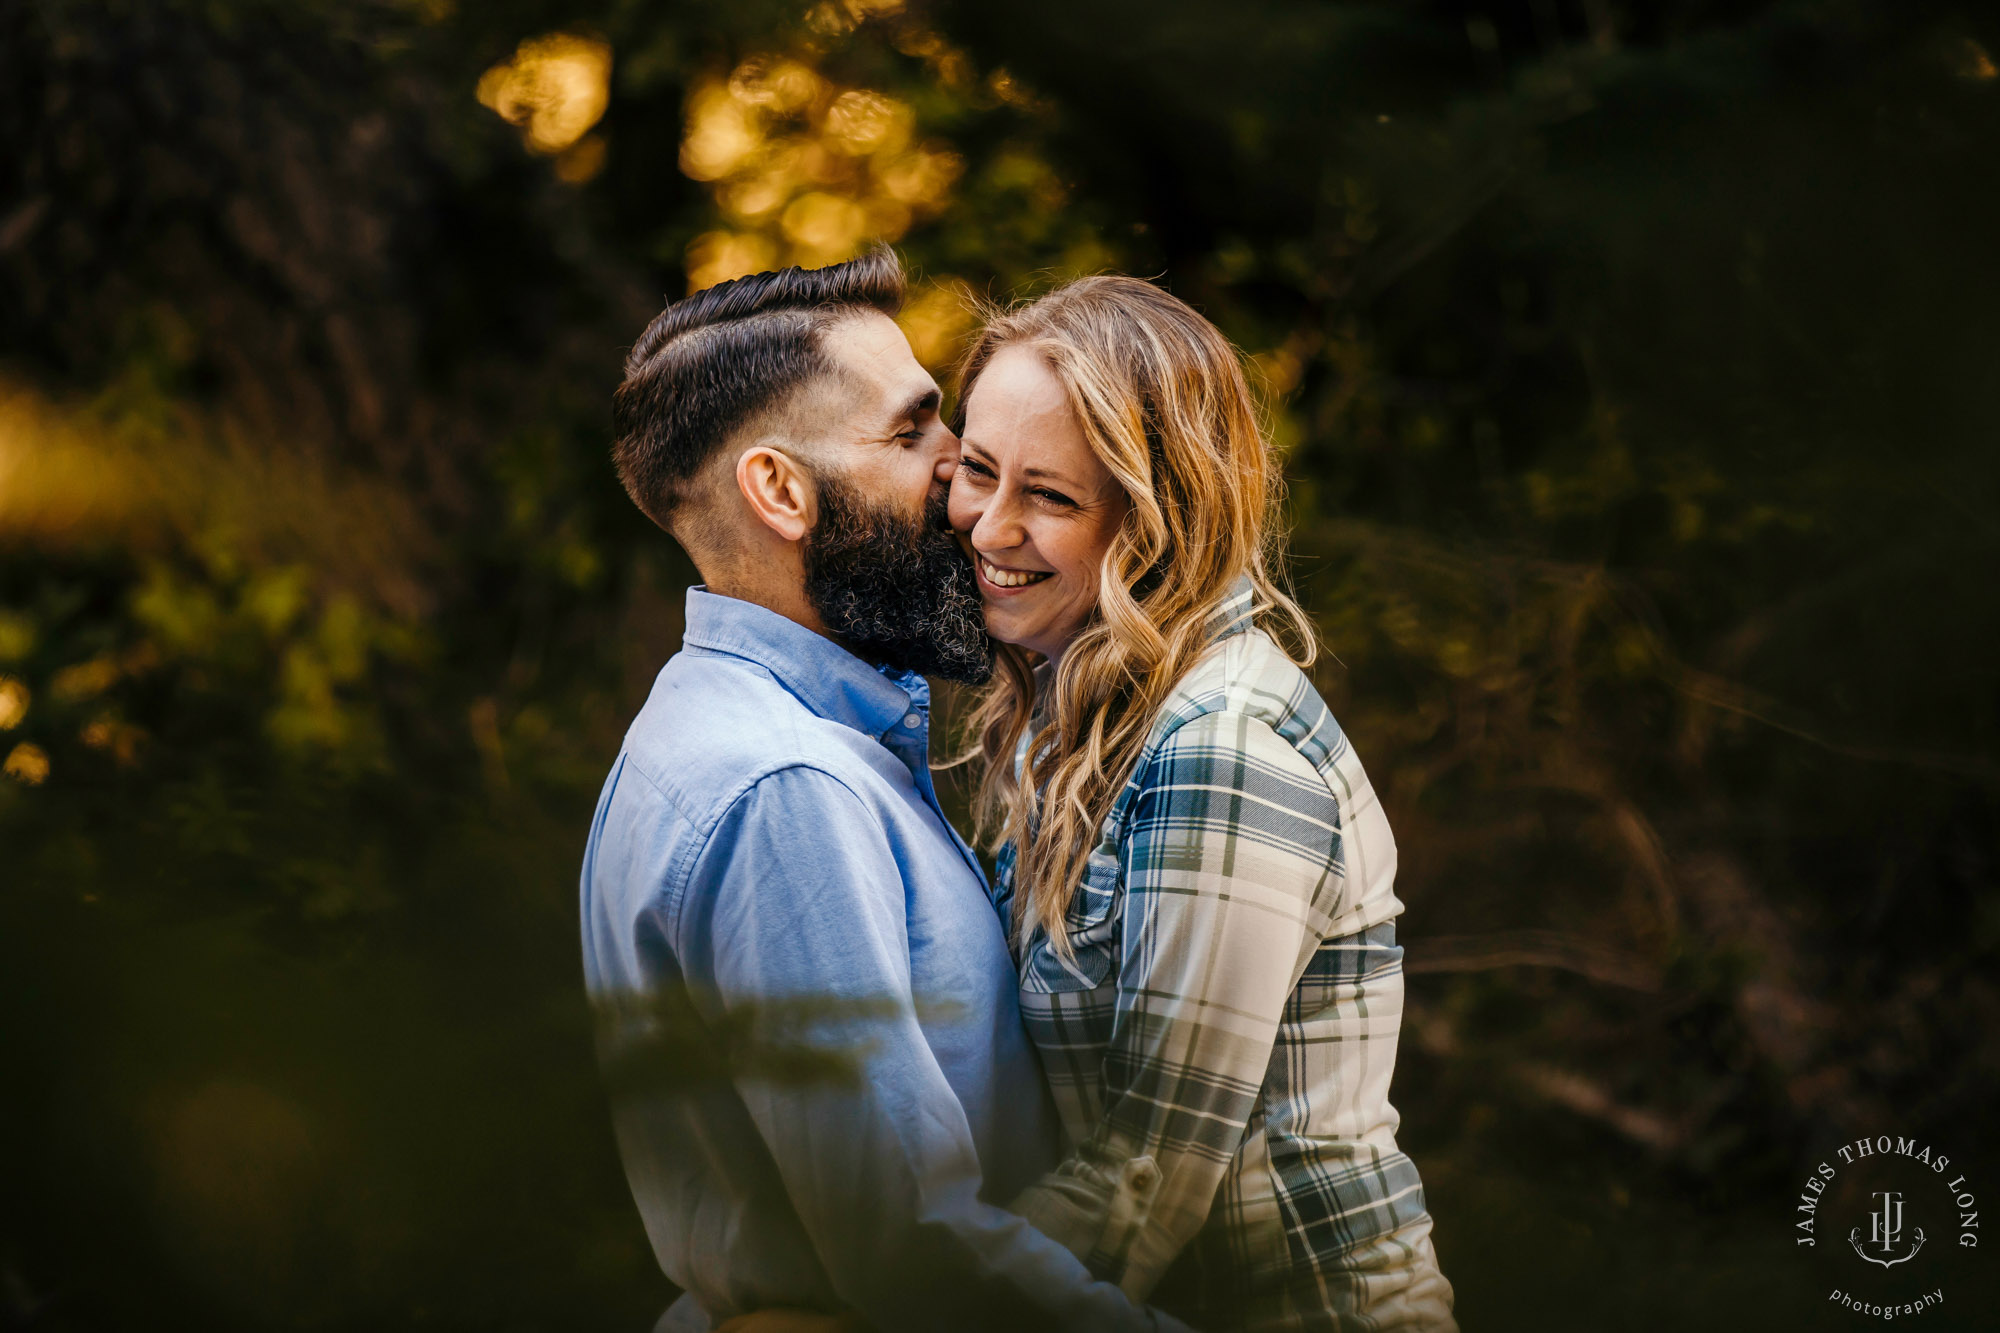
column 1233, row 614
column 826, row 678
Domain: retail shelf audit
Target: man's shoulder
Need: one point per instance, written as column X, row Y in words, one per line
column 720, row 742
column 715, row 726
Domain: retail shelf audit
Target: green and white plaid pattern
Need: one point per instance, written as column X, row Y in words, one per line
column 1221, row 1044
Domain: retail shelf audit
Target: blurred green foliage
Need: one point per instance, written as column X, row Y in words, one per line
column 1635, row 368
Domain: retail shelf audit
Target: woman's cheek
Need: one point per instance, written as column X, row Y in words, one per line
column 959, row 507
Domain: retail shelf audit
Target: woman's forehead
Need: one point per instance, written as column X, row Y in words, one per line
column 1017, row 398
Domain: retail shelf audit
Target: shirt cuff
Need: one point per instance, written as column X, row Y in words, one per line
column 1095, row 1211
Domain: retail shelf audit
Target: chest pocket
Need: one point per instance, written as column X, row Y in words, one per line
column 1092, row 927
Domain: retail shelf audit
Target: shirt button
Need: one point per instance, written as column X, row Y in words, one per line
column 913, row 721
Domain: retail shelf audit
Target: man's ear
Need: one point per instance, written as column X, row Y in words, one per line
column 779, row 491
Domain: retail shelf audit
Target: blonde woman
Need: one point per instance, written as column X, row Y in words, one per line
column 1195, row 873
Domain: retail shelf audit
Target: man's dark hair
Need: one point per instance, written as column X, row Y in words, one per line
column 710, row 364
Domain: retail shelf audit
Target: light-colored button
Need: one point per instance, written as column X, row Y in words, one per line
column 913, row 721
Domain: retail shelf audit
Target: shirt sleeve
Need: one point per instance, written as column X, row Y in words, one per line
column 808, row 910
column 1229, row 865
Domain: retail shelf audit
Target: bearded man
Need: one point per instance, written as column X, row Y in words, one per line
column 769, row 839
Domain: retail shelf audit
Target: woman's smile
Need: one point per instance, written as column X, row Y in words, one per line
column 999, row 581
column 1033, row 504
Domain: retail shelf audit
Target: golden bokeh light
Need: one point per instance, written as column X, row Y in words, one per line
column 1974, row 63
column 718, row 256
column 753, row 199
column 835, row 17
column 582, row 160
column 865, row 122
column 722, row 133
column 824, row 228
column 785, row 86
column 936, row 320
column 1013, row 92
column 85, row 680
column 59, row 480
column 27, row 764
column 118, row 739
column 804, row 171
column 555, row 88
column 922, row 178
column 14, row 698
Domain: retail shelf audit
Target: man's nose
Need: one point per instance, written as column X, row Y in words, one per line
column 946, row 466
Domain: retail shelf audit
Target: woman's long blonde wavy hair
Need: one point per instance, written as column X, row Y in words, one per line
column 1164, row 403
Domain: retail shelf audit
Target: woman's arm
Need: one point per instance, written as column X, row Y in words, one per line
column 1231, row 865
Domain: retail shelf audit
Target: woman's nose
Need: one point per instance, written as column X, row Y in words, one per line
column 999, row 526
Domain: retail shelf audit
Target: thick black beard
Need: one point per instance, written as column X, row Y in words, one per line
column 896, row 590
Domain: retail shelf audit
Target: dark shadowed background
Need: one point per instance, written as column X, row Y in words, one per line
column 1637, row 365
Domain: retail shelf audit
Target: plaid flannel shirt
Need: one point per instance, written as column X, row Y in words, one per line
column 1221, row 1043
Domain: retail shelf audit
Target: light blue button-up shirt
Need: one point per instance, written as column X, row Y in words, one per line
column 770, row 832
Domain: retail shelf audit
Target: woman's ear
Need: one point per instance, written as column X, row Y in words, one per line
column 779, row 491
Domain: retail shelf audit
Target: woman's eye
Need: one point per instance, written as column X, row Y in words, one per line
column 976, row 469
column 1056, row 498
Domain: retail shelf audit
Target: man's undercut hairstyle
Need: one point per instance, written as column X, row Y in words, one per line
column 715, row 362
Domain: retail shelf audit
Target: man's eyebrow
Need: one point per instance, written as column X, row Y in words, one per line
column 927, row 401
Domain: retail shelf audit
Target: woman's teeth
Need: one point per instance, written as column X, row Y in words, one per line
column 1010, row 578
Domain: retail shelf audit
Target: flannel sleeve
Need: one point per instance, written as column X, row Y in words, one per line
column 1228, row 857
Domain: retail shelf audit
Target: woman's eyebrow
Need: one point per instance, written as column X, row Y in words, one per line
column 1032, row 473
